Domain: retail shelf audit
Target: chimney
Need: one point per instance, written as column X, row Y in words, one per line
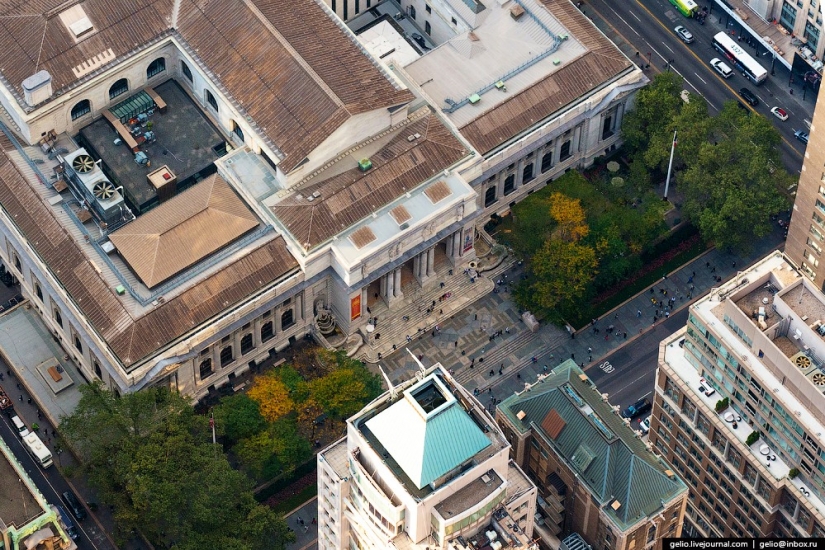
column 37, row 88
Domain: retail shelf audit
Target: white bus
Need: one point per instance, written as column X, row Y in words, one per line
column 728, row 47
column 38, row 450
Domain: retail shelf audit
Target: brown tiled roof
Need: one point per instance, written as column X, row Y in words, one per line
column 602, row 62
column 552, row 424
column 184, row 230
column 200, row 303
column 362, row 237
column 438, row 191
column 351, row 196
column 131, row 339
column 264, row 52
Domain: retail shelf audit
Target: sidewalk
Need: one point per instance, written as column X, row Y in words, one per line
column 467, row 344
column 303, row 521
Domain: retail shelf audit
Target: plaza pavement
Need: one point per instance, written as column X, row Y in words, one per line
column 467, row 343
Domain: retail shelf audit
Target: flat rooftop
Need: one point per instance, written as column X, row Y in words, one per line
column 470, row 495
column 186, row 141
column 18, row 506
column 510, row 75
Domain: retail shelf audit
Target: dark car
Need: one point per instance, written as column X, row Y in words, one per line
column 74, row 505
column 749, row 96
column 71, row 530
column 420, row 41
column 638, row 408
column 801, row 136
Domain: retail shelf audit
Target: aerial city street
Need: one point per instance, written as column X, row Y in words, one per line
column 411, row 274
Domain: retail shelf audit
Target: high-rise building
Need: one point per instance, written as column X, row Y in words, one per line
column 423, row 466
column 739, row 408
column 27, row 520
column 595, row 475
column 806, row 233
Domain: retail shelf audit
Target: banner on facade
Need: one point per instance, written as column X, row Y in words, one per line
column 468, row 239
column 355, row 308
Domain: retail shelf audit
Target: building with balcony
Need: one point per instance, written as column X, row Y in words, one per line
column 27, row 520
column 739, row 403
column 595, row 476
column 423, row 466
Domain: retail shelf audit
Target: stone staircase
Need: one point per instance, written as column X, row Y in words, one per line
column 410, row 316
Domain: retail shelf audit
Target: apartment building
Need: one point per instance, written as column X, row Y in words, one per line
column 27, row 521
column 423, row 466
column 806, row 233
column 595, row 477
column 738, row 408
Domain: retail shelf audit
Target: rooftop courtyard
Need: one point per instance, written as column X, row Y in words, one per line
column 185, row 141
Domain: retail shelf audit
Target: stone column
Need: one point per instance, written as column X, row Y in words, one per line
column 278, row 328
column 431, row 262
column 457, row 245
column 417, row 267
column 519, row 173
column 299, row 306
column 256, row 332
column 500, row 184
column 397, row 283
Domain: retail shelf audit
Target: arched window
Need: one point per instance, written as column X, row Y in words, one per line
column 155, row 67
column 237, row 131
column 226, row 356
column 412, row 12
column 210, row 99
column 266, row 331
column 184, row 68
column 118, row 88
column 247, row 344
column 82, row 108
column 206, row 368
column 287, row 320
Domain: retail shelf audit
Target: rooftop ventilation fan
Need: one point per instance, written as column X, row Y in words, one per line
column 802, row 362
column 104, row 190
column 818, row 379
column 83, row 164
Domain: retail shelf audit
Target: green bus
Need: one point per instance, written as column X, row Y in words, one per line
column 688, row 8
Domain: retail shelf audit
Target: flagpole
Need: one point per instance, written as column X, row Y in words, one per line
column 670, row 165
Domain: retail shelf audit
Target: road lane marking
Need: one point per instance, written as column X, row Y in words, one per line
column 668, row 47
column 702, row 79
column 636, row 16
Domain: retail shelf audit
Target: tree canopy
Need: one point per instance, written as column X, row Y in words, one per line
column 151, row 458
column 728, row 167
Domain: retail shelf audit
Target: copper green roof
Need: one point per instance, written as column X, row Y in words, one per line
column 427, row 432
column 597, row 444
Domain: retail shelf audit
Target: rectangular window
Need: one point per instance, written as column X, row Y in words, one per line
column 565, row 154
column 788, row 16
column 811, row 34
column 428, row 9
column 547, row 161
column 509, row 184
column 527, row 175
column 357, row 6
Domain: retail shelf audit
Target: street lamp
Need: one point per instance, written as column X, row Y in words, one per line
column 649, row 58
column 668, row 64
column 773, row 73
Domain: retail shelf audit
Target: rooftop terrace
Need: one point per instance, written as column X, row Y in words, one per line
column 186, row 141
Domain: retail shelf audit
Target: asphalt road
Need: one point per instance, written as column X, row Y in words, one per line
column 648, row 25
column 629, row 372
column 51, row 484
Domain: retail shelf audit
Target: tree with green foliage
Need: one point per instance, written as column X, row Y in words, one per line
column 347, row 388
column 238, row 417
column 150, row 457
column 279, row 448
column 562, row 271
column 656, row 106
column 734, row 184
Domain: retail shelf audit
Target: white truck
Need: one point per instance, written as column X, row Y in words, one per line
column 38, row 450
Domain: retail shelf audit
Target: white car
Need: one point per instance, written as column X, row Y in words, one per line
column 779, row 113
column 684, row 34
column 644, row 425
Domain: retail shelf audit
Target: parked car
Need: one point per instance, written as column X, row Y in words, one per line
column 638, row 408
column 749, row 96
column 644, row 425
column 77, row 509
column 801, row 136
column 684, row 34
column 779, row 113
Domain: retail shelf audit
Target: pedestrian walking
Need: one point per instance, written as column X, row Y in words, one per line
column 638, row 313
column 667, row 314
column 589, row 349
column 29, row 400
column 20, row 397
column 589, row 358
column 617, row 315
column 442, row 284
column 500, row 371
column 456, row 343
column 572, row 356
column 492, row 372
column 625, row 336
